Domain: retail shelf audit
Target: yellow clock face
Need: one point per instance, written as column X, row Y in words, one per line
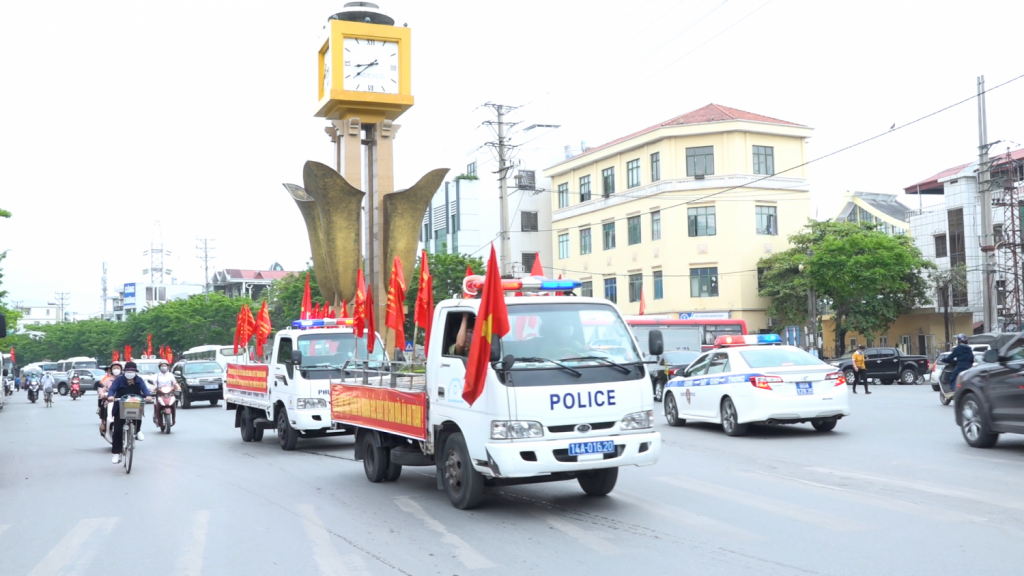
column 371, row 65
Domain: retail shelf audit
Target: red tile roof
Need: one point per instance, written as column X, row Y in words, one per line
column 236, row 274
column 937, row 188
column 705, row 115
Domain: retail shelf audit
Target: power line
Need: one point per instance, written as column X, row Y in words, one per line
column 203, row 245
column 63, row 298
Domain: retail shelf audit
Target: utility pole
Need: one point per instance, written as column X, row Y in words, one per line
column 984, row 188
column 104, row 286
column 503, row 148
column 204, row 248
column 63, row 298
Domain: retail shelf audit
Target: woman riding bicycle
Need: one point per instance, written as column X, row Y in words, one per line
column 113, row 371
column 127, row 384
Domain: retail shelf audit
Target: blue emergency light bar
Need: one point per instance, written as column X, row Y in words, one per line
column 321, row 322
column 748, row 340
column 530, row 284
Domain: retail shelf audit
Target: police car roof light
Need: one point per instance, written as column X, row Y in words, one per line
column 748, row 340
column 321, row 322
column 532, row 284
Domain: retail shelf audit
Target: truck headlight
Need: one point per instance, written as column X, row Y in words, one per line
column 637, row 420
column 309, row 403
column 507, row 429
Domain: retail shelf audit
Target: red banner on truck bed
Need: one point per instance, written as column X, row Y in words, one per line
column 248, row 377
column 403, row 413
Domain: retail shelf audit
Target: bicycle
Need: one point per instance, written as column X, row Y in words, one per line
column 48, row 396
column 131, row 409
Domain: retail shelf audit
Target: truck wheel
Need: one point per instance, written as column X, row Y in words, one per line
column 286, row 435
column 464, row 485
column 214, row 402
column 886, row 382
column 247, row 428
column 257, row 434
column 375, row 459
column 63, row 389
column 598, row 482
column 908, row 376
column 394, row 471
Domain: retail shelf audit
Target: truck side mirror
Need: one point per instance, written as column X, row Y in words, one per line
column 3, row 326
column 296, row 357
column 991, row 356
column 495, row 348
column 655, row 343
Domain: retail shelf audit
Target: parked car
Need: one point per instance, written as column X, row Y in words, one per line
column 887, row 365
column 199, row 380
column 669, row 363
column 989, row 396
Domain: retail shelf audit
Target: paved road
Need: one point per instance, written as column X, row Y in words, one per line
column 893, row 490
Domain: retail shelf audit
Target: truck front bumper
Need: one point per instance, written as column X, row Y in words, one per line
column 525, row 459
column 312, row 419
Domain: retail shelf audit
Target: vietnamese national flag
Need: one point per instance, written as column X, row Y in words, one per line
column 330, row 312
column 371, row 324
column 263, row 328
column 423, row 316
column 246, row 327
column 537, row 269
column 117, row 357
column 491, row 322
column 359, row 307
column 127, row 352
column 307, row 302
column 469, row 272
column 643, row 304
column 344, row 309
column 14, row 359
column 149, row 345
column 394, row 318
column 316, row 311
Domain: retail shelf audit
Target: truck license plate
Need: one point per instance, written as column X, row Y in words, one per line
column 211, row 386
column 804, row 389
column 582, row 448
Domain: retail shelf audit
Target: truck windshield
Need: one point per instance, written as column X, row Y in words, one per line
column 577, row 335
column 333, row 349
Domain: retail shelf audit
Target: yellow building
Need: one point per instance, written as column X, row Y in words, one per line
column 682, row 210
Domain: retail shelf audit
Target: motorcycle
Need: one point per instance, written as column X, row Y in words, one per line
column 76, row 389
column 165, row 415
column 33, row 391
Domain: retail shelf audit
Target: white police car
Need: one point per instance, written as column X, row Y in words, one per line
column 754, row 380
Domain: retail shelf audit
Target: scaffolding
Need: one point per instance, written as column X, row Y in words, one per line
column 1007, row 180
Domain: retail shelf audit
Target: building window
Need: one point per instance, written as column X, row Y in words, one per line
column 1001, row 292
column 659, row 287
column 584, row 188
column 471, row 169
column 608, row 181
column 528, row 221
column 655, row 167
column 883, row 341
column 767, row 220
column 864, row 216
column 656, row 225
column 764, row 160
column 563, row 246
column 703, row 282
column 609, row 235
column 528, row 258
column 997, row 233
column 611, row 291
column 455, row 233
column 701, row 221
column 633, row 229
column 633, row 173
column 700, row 161
column 587, row 289
column 957, row 245
column 441, row 241
column 585, row 247
column 563, row 195
column 940, row 246
column 636, row 286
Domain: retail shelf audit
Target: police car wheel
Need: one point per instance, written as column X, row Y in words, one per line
column 824, row 424
column 730, row 419
column 672, row 411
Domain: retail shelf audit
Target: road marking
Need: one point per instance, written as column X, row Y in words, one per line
column 67, row 548
column 330, row 562
column 793, row 511
column 880, row 501
column 593, row 540
column 190, row 560
column 964, row 493
column 687, row 518
column 466, row 554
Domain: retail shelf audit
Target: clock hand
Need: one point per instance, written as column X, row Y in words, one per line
column 367, row 67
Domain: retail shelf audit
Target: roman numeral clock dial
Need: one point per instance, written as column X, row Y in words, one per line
column 371, row 65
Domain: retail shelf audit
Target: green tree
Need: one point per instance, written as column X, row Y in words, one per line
column 182, row 324
column 864, row 277
column 284, row 299
column 948, row 282
column 448, row 271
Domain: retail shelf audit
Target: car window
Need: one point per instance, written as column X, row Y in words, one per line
column 1015, row 351
column 719, row 363
column 699, row 367
column 771, row 356
column 680, row 358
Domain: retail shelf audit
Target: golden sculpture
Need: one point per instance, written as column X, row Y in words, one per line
column 321, row 264
column 340, row 207
column 403, row 219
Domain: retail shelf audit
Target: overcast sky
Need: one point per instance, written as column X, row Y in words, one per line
column 114, row 115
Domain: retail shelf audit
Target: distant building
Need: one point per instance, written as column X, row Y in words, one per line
column 138, row 296
column 883, row 210
column 41, row 314
column 235, row 282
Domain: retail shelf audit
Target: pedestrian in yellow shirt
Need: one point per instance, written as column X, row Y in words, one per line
column 859, row 368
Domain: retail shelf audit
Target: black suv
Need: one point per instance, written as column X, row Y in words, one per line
column 199, row 380
column 989, row 399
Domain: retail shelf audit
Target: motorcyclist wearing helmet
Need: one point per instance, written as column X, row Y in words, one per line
column 128, row 383
column 963, row 357
column 165, row 378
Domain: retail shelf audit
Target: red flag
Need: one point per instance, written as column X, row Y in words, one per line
column 149, row 345
column 344, row 309
column 117, row 357
column 307, row 302
column 316, row 311
column 263, row 328
column 359, row 308
column 423, row 316
column 469, row 272
column 371, row 324
column 14, row 359
column 330, row 312
column 643, row 304
column 394, row 318
column 537, row 269
column 170, row 356
column 246, row 326
column 127, row 352
column 491, row 322
column 238, row 329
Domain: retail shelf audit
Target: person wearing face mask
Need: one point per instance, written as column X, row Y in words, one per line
column 126, row 384
column 113, row 371
column 165, row 378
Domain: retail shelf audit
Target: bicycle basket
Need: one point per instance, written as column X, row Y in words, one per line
column 131, row 408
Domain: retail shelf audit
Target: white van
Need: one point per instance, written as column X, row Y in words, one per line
column 216, row 352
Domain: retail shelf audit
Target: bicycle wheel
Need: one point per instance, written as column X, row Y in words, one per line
column 129, row 446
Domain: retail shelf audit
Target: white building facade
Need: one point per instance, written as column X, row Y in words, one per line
column 43, row 314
